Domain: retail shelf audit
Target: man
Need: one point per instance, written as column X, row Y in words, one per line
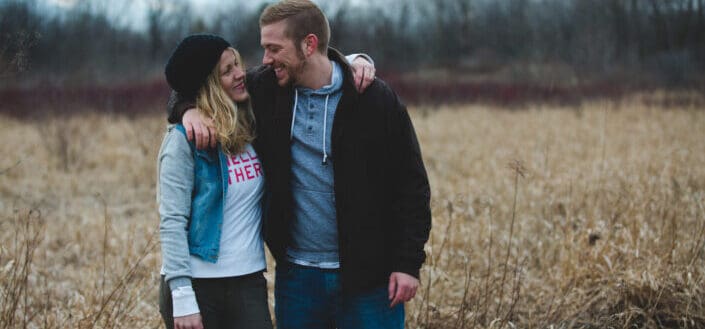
column 347, row 210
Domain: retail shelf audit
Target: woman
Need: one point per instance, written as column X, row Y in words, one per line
column 212, row 249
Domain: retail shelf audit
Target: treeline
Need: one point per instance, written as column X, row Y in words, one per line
column 654, row 40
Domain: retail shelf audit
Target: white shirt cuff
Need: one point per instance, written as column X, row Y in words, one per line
column 184, row 301
column 350, row 58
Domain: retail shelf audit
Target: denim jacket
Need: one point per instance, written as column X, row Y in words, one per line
column 191, row 188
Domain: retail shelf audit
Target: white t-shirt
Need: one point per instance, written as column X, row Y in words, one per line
column 241, row 246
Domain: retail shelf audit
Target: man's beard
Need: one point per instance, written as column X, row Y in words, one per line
column 295, row 73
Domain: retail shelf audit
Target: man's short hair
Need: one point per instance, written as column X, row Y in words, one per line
column 302, row 17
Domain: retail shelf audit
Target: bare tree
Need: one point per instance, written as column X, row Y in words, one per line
column 20, row 34
column 155, row 26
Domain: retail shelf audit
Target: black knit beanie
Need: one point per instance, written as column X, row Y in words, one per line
column 192, row 61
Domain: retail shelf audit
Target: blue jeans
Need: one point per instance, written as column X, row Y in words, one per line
column 311, row 298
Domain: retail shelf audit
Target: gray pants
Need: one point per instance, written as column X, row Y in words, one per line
column 234, row 302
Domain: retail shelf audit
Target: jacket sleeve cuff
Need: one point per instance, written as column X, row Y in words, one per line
column 350, row 58
column 408, row 269
column 179, row 282
column 184, row 301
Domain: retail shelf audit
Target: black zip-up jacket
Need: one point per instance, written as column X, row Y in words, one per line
column 382, row 194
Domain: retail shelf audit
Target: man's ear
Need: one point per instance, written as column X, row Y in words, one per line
column 310, row 44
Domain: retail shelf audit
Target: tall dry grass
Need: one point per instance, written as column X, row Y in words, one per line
column 583, row 217
column 78, row 215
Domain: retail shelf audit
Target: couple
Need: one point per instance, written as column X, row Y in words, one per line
column 332, row 178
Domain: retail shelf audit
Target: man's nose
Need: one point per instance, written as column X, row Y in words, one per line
column 266, row 59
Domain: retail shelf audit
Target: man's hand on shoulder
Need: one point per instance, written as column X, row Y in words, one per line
column 402, row 288
column 199, row 127
column 363, row 72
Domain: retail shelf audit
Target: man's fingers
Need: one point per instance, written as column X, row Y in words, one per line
column 402, row 288
column 362, row 79
column 194, row 126
column 208, row 124
column 212, row 134
column 202, row 141
column 397, row 299
column 409, row 294
column 404, row 295
column 189, row 120
column 395, row 291
column 198, row 134
column 392, row 287
column 188, row 322
column 189, row 131
column 412, row 293
column 365, row 78
column 204, row 136
column 370, row 76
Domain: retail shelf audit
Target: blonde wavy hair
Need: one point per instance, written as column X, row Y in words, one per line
column 234, row 122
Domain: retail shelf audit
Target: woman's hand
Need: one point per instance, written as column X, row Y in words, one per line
column 192, row 321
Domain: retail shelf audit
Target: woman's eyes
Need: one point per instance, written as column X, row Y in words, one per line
column 230, row 68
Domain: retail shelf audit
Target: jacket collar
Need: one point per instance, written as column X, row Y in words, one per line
column 348, row 80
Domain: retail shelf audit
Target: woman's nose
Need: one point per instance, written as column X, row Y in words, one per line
column 239, row 74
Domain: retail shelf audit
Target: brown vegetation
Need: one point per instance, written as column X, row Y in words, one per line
column 583, row 217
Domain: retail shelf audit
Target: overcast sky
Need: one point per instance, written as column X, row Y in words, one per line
column 133, row 12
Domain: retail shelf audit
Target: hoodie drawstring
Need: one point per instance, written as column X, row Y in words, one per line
column 325, row 116
column 325, row 124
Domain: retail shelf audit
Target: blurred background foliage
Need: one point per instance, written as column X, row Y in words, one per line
column 437, row 43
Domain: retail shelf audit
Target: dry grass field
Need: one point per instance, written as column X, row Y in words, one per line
column 548, row 217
